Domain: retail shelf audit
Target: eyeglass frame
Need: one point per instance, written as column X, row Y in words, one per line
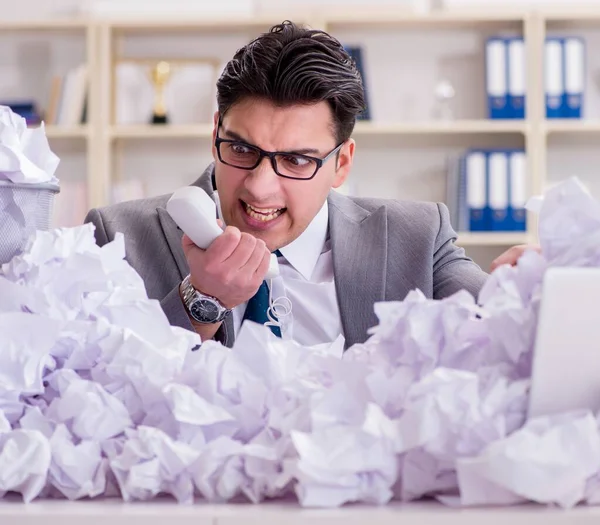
column 272, row 154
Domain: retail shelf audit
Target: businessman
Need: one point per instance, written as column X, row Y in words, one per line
column 287, row 105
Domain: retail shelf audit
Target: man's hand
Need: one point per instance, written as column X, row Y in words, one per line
column 231, row 269
column 512, row 255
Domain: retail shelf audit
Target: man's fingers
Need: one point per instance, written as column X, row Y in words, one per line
column 263, row 267
column 226, row 243
column 242, row 252
column 256, row 259
column 512, row 255
column 187, row 244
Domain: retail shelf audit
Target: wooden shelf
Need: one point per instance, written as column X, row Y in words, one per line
column 67, row 132
column 576, row 14
column 44, row 25
column 160, row 131
column 442, row 127
column 572, row 126
column 195, row 24
column 492, row 238
column 361, row 129
column 362, row 17
column 408, row 17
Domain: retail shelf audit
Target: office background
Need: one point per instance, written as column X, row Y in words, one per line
column 441, row 80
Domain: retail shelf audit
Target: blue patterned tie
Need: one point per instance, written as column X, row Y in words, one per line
column 257, row 307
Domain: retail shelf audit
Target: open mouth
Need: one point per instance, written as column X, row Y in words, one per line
column 262, row 214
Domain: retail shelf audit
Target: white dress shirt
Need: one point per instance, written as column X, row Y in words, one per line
column 306, row 280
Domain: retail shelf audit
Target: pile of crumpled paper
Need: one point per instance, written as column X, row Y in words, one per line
column 99, row 395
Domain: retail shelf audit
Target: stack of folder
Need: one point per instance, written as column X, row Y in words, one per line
column 488, row 190
column 564, row 77
column 506, row 75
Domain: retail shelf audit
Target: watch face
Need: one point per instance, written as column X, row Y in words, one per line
column 205, row 311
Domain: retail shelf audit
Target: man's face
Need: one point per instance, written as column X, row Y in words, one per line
column 258, row 201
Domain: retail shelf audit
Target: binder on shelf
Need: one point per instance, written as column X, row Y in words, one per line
column 553, row 77
column 497, row 78
column 476, row 190
column 517, row 74
column 574, row 77
column 488, row 191
column 498, row 182
column 25, row 108
column 356, row 54
column 517, row 191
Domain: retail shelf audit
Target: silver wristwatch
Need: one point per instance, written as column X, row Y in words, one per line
column 202, row 308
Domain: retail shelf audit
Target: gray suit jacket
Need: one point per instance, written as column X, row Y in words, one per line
column 382, row 249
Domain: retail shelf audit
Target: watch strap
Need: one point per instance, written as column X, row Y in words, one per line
column 189, row 295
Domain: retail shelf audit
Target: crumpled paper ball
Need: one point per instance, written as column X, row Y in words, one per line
column 100, row 396
column 25, row 155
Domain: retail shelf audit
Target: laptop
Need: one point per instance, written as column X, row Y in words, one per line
column 566, row 359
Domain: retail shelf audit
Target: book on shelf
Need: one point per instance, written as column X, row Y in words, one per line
column 356, row 53
column 67, row 103
column 486, row 191
column 25, row 108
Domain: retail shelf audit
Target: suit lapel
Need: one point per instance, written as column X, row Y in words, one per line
column 359, row 245
column 173, row 235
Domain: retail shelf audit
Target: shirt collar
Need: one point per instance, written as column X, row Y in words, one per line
column 304, row 252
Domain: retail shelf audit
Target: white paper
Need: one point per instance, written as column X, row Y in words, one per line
column 549, row 460
column 25, row 155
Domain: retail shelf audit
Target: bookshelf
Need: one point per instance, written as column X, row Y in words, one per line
column 78, row 36
column 469, row 239
column 112, row 147
column 569, row 146
column 67, row 132
column 124, row 140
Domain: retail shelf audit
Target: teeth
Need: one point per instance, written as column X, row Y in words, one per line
column 263, row 214
column 263, row 210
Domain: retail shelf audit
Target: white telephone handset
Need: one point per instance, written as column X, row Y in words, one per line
column 196, row 214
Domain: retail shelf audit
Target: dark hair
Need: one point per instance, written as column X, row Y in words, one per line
column 293, row 65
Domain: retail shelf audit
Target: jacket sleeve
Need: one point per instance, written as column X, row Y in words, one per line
column 171, row 304
column 94, row 217
column 452, row 269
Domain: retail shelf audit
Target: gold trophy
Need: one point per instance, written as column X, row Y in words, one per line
column 160, row 76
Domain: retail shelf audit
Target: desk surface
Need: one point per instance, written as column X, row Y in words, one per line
column 168, row 512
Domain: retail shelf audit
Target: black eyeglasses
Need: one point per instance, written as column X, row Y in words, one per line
column 244, row 156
